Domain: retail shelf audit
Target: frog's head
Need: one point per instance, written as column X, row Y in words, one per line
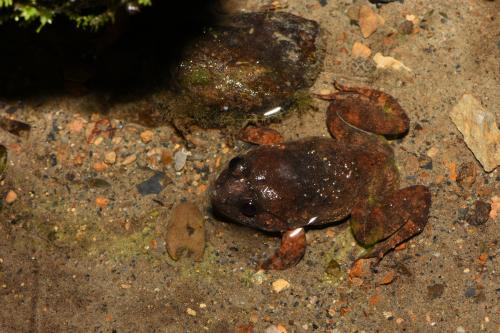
column 237, row 195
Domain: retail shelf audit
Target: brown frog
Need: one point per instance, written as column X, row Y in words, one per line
column 286, row 187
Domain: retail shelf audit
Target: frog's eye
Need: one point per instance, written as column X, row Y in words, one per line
column 236, row 166
column 248, row 208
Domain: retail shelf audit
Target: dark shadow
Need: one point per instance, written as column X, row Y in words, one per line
column 132, row 56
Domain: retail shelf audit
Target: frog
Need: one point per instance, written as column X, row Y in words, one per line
column 288, row 186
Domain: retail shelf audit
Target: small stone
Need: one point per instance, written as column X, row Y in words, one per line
column 387, row 278
column 76, row 126
column 100, row 166
column 359, row 269
column 101, row 202
column 154, row 185
column 180, row 158
column 388, row 315
column 480, row 130
column 435, row 291
column 110, row 157
column 147, row 136
column 479, row 213
column 432, row 152
column 360, row 50
column 10, row 197
column 191, row 312
column 406, row 27
column 98, row 141
column 384, row 62
column 186, row 230
column 495, row 207
column 368, row 21
column 259, row 277
column 353, row 13
column 460, row 329
column 280, row 285
column 260, row 135
column 129, row 159
column 276, row 329
column 467, row 174
column 470, row 292
column 412, row 18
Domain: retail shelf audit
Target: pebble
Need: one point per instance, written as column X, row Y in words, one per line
column 387, row 278
column 260, row 135
column 495, row 207
column 10, row 197
column 388, row 315
column 360, row 50
column 191, row 312
column 258, row 277
column 435, row 291
column 280, row 285
column 406, row 27
column 101, row 201
column 479, row 214
column 432, row 152
column 154, row 184
column 147, row 136
column 76, row 125
column 110, row 157
column 480, row 130
column 276, row 329
column 384, row 62
column 460, row 329
column 369, row 21
column 98, row 141
column 180, row 158
column 466, row 176
column 100, row 166
column 129, row 159
column 470, row 292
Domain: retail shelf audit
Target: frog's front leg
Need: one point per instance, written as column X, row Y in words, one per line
column 291, row 250
column 384, row 225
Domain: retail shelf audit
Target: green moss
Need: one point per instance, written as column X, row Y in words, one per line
column 43, row 13
column 198, row 76
column 302, row 100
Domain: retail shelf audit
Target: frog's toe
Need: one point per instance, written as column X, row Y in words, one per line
column 291, row 250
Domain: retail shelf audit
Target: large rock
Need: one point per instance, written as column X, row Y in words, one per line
column 479, row 129
column 246, row 65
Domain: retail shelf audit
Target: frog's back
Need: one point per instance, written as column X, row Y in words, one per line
column 326, row 180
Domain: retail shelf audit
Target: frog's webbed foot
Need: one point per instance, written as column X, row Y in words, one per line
column 292, row 249
column 401, row 217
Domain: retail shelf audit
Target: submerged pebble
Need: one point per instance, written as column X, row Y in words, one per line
column 186, row 230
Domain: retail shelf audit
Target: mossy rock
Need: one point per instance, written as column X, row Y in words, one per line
column 244, row 66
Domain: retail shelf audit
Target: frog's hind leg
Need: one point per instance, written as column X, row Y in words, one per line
column 291, row 250
column 403, row 215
